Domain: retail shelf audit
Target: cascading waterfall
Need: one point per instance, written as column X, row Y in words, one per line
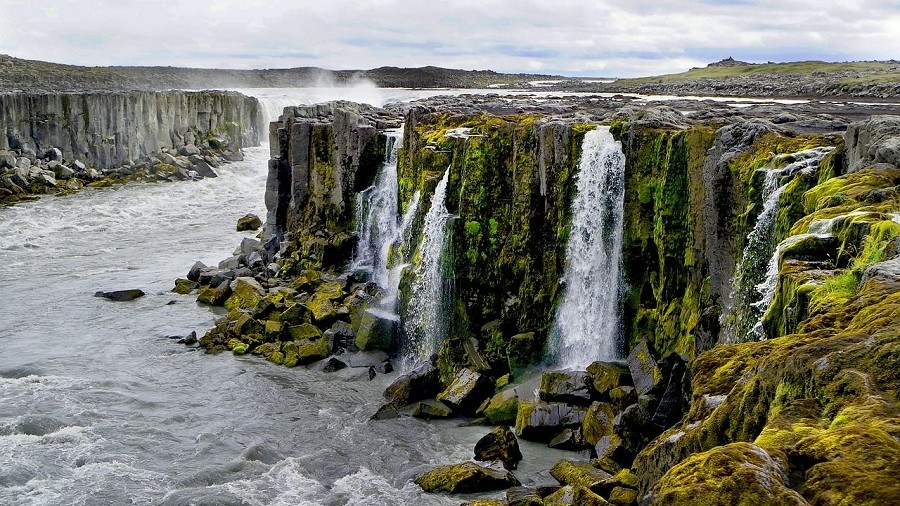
column 756, row 275
column 425, row 310
column 588, row 325
column 378, row 222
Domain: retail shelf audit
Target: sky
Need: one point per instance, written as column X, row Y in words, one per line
column 605, row 38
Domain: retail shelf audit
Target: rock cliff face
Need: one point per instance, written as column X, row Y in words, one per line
column 783, row 409
column 107, row 130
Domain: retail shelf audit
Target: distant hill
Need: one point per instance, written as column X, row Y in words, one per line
column 17, row 74
column 876, row 79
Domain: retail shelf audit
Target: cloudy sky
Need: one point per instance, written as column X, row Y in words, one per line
column 585, row 38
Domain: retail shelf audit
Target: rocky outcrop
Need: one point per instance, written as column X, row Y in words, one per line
column 874, row 140
column 107, row 130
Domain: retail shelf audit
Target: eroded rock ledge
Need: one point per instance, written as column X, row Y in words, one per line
column 61, row 141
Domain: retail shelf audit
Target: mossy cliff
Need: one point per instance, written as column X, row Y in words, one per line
column 108, row 130
column 511, row 187
column 819, row 403
column 808, row 416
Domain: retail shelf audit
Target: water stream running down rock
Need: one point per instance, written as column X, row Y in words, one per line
column 756, row 275
column 425, row 312
column 588, row 323
column 378, row 218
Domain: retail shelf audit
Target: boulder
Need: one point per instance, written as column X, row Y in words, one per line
column 367, row 359
column 121, row 295
column 623, row 496
column 467, row 477
column 203, row 168
column 247, row 325
column 674, row 402
column 645, row 372
column 873, row 140
column 184, row 286
column 541, row 421
column 521, row 351
column 598, row 422
column 568, row 439
column 248, row 222
column 188, row 150
column 606, row 376
column 63, row 172
column 737, row 473
column 634, row 427
column 321, row 309
column 573, row 387
column 420, row 383
column 431, row 411
column 333, row 364
column 612, row 454
column 377, row 330
column 305, row 331
column 246, row 292
column 623, row 396
column 523, row 496
column 574, row 496
column 331, row 290
column 499, row 444
column 502, row 408
column 468, row 390
column 310, row 350
column 583, row 474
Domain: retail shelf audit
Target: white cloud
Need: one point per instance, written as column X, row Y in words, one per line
column 611, row 37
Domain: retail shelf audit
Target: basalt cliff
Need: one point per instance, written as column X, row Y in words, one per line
column 716, row 398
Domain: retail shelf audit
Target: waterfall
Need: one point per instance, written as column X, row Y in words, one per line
column 377, row 217
column 588, row 324
column 425, row 310
column 756, row 275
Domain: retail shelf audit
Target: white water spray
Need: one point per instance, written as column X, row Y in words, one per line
column 425, row 311
column 588, row 324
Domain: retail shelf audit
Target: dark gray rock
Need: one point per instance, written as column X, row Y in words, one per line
column 422, row 382
column 572, row 387
column 524, row 496
column 431, row 411
column 121, row 295
column 377, row 330
column 873, row 140
column 500, row 444
column 645, row 372
column 468, row 390
column 541, row 421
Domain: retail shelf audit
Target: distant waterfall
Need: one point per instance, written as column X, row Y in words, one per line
column 425, row 312
column 756, row 275
column 588, row 323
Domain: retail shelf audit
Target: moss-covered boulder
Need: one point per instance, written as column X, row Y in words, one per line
column 310, row 350
column 305, row 331
column 572, row 387
column 431, row 411
column 467, row 477
column 574, row 495
column 248, row 222
column 468, row 390
column 645, row 371
column 245, row 324
column 214, row 295
column 246, row 294
column 523, row 496
column 522, row 351
column 377, row 331
column 185, row 286
column 502, row 408
column 420, row 383
column 500, row 444
column 738, row 473
column 606, row 376
column 583, row 474
column 322, row 309
column 598, row 422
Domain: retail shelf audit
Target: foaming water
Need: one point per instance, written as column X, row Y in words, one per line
column 587, row 325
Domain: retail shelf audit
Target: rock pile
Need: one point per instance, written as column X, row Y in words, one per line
column 24, row 173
